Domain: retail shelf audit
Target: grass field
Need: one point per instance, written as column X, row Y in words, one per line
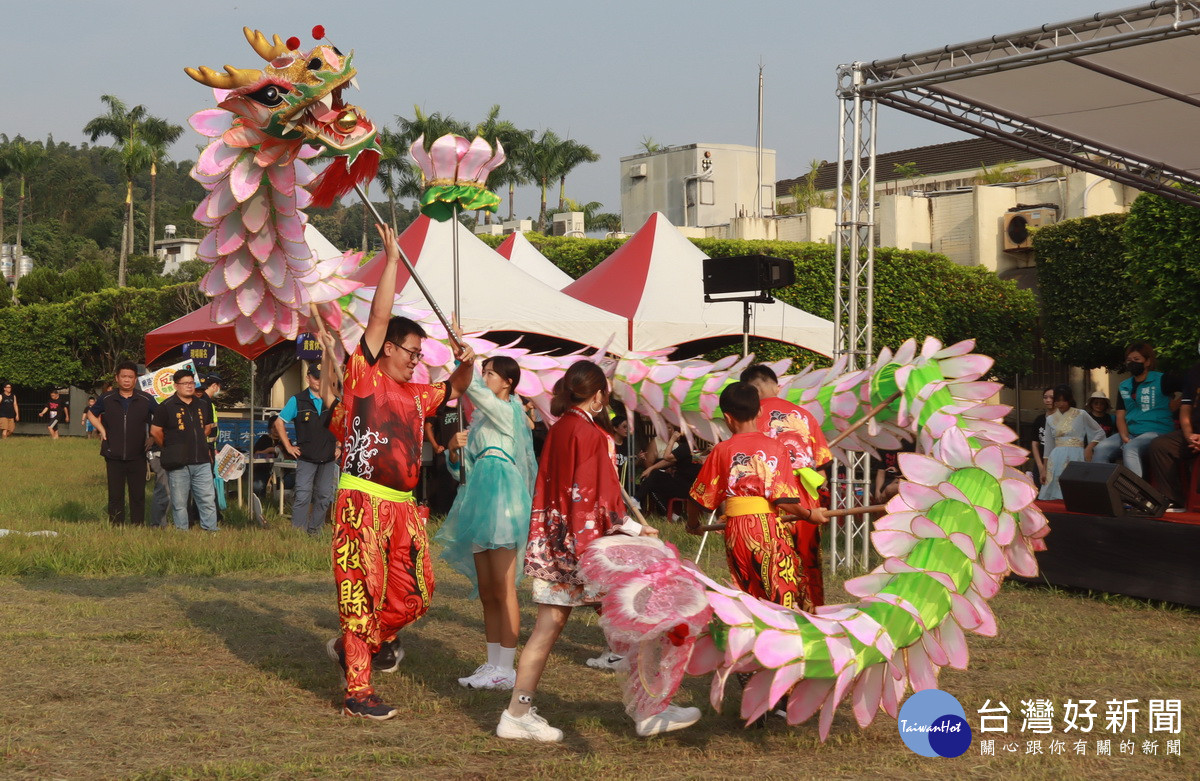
column 136, row 653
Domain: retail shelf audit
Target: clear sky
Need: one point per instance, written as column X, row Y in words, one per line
column 607, row 74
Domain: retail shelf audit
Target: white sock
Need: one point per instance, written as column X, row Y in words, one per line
column 505, row 658
column 493, row 653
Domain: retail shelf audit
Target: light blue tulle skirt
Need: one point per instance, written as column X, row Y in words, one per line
column 491, row 511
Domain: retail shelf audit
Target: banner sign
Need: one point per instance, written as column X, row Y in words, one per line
column 159, row 383
column 308, row 348
column 201, row 353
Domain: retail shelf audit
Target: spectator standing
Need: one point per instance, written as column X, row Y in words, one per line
column 181, row 427
column 1171, row 449
column 314, row 450
column 440, row 428
column 122, row 418
column 56, row 413
column 88, row 427
column 1143, row 410
column 9, row 412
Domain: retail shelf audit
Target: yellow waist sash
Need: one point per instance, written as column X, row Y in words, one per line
column 352, row 483
column 747, row 505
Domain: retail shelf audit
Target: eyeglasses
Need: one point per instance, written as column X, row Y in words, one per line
column 414, row 354
column 186, row 382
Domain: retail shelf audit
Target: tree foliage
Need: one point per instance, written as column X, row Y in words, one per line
column 1085, row 294
column 1162, row 251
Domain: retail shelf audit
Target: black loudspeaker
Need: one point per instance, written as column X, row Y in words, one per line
column 1110, row 490
column 746, row 274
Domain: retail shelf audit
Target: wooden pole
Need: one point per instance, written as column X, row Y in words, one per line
column 861, row 421
column 865, row 510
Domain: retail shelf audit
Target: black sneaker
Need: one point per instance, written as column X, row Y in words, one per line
column 369, row 707
column 387, row 659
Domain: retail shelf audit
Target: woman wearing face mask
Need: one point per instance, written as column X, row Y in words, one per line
column 1068, row 428
column 1143, row 411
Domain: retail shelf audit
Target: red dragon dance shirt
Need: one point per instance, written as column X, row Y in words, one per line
column 383, row 424
column 750, row 464
column 796, row 429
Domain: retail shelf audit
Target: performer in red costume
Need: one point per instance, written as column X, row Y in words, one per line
column 381, row 560
column 798, row 431
column 577, row 499
column 746, row 472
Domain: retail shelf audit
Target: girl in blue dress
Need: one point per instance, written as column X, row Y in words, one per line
column 485, row 532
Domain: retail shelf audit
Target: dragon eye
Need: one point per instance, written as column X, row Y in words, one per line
column 314, row 64
column 270, row 95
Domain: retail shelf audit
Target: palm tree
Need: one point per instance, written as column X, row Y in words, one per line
column 23, row 159
column 513, row 173
column 157, row 134
column 571, row 155
column 432, row 126
column 5, row 170
column 128, row 129
column 541, row 165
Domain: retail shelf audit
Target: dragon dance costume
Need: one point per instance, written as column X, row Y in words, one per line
column 381, row 560
column 746, row 471
column 798, row 431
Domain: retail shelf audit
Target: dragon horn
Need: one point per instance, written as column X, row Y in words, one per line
column 231, row 79
column 268, row 51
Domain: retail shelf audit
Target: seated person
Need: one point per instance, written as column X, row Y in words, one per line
column 671, row 475
column 887, row 472
column 269, row 446
column 1144, row 411
column 1098, row 407
column 1172, row 449
column 1068, row 429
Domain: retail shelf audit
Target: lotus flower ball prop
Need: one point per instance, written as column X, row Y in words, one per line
column 456, row 172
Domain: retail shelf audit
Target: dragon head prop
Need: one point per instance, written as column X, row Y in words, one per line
column 297, row 98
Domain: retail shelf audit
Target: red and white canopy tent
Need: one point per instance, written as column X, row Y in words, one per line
column 655, row 283
column 496, row 295
column 526, row 257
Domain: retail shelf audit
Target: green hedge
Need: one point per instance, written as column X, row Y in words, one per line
column 1162, row 252
column 80, row 342
column 917, row 294
column 1085, row 294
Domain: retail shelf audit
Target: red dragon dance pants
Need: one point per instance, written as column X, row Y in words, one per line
column 763, row 561
column 384, row 576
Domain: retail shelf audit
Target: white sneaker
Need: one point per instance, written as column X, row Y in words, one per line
column 669, row 720
column 531, row 726
column 482, row 673
column 501, row 680
column 607, row 661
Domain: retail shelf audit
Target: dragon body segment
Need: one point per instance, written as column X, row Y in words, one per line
column 964, row 518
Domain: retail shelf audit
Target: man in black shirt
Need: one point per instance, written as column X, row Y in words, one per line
column 122, row 417
column 181, row 427
column 1168, row 451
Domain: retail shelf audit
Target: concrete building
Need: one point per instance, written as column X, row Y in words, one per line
column 175, row 251
column 973, row 201
column 699, row 187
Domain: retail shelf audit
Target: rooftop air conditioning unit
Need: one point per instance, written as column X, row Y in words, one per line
column 567, row 224
column 637, row 170
column 1016, row 233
